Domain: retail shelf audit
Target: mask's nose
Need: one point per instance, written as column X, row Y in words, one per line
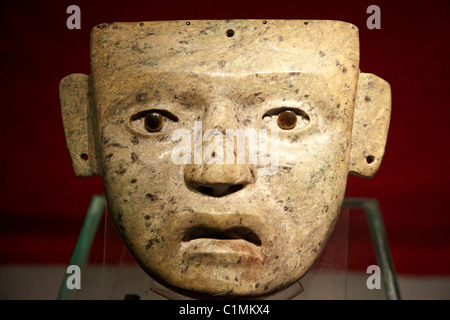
column 212, row 178
column 218, row 180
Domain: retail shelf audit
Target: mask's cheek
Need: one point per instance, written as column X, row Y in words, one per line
column 140, row 191
column 141, row 212
column 306, row 194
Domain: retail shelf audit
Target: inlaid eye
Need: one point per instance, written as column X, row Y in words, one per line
column 150, row 122
column 153, row 121
column 287, row 120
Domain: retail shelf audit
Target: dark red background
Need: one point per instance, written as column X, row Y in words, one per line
column 42, row 203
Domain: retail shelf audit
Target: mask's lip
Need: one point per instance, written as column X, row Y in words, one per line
column 208, row 251
column 238, row 232
column 234, row 233
column 219, row 221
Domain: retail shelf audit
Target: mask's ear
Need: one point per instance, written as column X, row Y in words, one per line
column 77, row 119
column 370, row 124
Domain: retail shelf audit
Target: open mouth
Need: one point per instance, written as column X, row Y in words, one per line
column 203, row 232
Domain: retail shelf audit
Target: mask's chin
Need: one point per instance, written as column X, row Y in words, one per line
column 169, row 292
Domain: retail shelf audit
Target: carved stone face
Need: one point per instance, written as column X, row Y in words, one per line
column 157, row 119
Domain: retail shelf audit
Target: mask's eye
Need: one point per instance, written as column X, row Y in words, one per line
column 152, row 121
column 287, row 118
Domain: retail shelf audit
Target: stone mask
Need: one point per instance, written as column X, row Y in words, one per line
column 224, row 146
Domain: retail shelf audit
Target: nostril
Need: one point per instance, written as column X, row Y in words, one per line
column 218, row 189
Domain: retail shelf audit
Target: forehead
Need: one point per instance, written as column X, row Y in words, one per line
column 126, row 56
column 203, row 46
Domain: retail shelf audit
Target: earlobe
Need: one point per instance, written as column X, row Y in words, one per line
column 77, row 118
column 370, row 124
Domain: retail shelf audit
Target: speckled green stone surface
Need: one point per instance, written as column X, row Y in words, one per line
column 225, row 229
